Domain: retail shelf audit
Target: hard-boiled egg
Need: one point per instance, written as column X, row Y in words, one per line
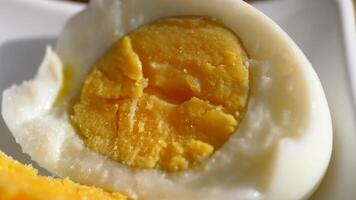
column 281, row 144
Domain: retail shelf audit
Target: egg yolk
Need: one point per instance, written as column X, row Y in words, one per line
column 21, row 182
column 165, row 96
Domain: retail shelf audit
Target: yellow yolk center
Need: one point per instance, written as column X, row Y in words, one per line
column 165, row 96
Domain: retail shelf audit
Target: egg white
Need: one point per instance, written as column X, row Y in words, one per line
column 283, row 83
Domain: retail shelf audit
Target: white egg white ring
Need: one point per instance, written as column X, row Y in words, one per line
column 286, row 96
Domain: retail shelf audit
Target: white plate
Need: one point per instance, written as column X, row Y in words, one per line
column 324, row 29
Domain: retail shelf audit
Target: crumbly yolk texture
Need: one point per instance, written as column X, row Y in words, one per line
column 165, row 96
column 21, row 182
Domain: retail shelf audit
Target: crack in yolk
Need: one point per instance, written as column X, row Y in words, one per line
column 165, row 96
